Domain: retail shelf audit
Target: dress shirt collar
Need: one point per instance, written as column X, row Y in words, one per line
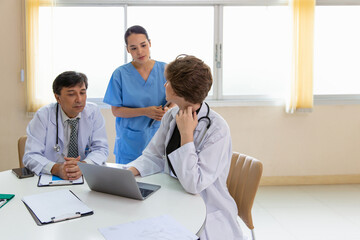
column 201, row 112
column 65, row 117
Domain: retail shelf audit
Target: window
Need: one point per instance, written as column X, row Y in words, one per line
column 256, row 45
column 337, row 50
column 84, row 39
column 172, row 34
column 71, row 38
column 246, row 43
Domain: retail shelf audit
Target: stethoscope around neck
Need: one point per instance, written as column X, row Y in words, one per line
column 206, row 117
column 57, row 147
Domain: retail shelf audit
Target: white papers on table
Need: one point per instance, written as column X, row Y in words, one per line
column 158, row 228
column 56, row 206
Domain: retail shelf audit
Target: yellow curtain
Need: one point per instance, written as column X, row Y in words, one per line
column 32, row 33
column 32, row 51
column 301, row 93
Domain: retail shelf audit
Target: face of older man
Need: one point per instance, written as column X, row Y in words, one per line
column 72, row 99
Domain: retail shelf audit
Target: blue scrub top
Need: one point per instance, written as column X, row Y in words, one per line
column 127, row 88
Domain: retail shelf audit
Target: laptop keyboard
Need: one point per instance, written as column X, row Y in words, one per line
column 145, row 192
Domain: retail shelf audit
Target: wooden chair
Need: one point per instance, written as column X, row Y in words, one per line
column 21, row 149
column 243, row 182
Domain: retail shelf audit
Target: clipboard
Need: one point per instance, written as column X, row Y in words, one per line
column 5, row 198
column 47, row 180
column 57, row 206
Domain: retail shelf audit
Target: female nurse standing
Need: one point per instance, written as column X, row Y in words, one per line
column 136, row 94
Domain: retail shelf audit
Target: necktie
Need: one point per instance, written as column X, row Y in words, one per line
column 174, row 143
column 73, row 142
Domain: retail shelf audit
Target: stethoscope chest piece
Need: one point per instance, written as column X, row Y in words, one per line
column 57, row 148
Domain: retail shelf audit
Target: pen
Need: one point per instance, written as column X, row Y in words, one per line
column 166, row 105
column 152, row 122
column 2, row 202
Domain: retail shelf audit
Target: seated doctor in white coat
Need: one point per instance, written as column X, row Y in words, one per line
column 193, row 143
column 63, row 133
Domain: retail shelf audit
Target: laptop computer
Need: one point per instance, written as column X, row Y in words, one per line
column 116, row 181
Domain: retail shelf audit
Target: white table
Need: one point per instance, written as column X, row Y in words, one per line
column 109, row 210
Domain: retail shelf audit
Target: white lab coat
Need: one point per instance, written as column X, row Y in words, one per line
column 202, row 168
column 41, row 137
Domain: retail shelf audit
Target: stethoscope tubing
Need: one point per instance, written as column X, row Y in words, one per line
column 208, row 126
column 57, row 147
column 207, row 116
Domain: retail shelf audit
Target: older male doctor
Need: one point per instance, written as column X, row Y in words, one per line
column 63, row 133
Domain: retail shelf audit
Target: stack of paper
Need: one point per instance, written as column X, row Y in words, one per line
column 157, row 228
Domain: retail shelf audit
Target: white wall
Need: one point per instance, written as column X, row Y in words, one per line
column 324, row 142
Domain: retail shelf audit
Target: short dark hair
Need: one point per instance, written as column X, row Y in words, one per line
column 137, row 30
column 69, row 79
column 189, row 77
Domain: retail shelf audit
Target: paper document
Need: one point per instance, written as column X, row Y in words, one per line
column 56, row 206
column 51, row 180
column 158, row 228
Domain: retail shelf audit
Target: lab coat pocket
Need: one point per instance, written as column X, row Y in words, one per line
column 217, row 226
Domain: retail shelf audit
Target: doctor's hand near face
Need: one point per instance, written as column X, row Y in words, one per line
column 186, row 121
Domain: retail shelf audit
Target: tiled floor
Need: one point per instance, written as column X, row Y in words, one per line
column 317, row 212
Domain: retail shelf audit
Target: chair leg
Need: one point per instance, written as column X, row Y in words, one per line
column 253, row 234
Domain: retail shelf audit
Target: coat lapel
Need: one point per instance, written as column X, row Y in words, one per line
column 84, row 126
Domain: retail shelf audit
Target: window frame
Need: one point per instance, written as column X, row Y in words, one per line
column 218, row 99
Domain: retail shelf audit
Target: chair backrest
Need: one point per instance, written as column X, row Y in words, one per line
column 21, row 149
column 243, row 182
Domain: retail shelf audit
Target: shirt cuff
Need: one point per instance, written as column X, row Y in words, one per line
column 140, row 166
column 48, row 167
column 88, row 161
